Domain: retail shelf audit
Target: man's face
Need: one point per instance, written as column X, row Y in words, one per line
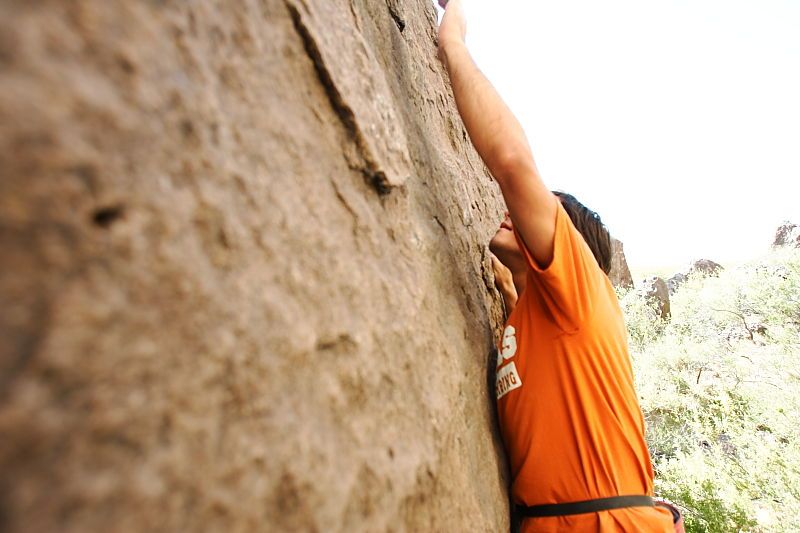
column 504, row 244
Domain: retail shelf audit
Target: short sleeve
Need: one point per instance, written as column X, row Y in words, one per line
column 569, row 286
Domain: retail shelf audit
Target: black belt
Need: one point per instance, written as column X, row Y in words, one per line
column 588, row 506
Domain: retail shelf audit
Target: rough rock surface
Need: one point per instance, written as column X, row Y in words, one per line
column 655, row 291
column 244, row 277
column 620, row 274
column 787, row 234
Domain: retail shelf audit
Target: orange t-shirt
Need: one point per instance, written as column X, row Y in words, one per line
column 568, row 411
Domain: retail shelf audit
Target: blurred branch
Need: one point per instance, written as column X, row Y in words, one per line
column 749, row 331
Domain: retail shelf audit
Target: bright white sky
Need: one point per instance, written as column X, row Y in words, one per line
column 677, row 120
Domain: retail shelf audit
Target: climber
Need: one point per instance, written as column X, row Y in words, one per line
column 568, row 411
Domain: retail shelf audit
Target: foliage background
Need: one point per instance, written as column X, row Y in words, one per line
column 719, row 384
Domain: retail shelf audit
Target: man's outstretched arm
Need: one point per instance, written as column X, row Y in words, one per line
column 499, row 139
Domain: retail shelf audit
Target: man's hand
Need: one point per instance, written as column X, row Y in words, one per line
column 502, row 275
column 453, row 28
column 505, row 283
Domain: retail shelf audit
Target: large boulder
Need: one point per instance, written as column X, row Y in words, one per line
column 244, row 277
column 701, row 267
column 655, row 291
column 705, row 267
column 620, row 274
column 788, row 235
column 676, row 281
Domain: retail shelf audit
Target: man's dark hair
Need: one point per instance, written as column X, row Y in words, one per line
column 588, row 223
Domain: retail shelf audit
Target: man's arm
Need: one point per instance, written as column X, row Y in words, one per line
column 499, row 140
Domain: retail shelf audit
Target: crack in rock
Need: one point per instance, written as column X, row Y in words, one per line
column 362, row 102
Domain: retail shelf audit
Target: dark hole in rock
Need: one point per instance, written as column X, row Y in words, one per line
column 188, row 130
column 126, row 65
column 104, row 217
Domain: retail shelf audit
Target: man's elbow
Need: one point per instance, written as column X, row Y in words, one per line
column 509, row 165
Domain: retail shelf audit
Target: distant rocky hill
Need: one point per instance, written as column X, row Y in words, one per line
column 658, row 290
column 788, row 234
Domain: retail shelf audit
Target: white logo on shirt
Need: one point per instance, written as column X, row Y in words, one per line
column 509, row 347
column 507, row 377
column 507, row 380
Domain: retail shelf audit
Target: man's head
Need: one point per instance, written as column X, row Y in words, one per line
column 591, row 227
column 586, row 221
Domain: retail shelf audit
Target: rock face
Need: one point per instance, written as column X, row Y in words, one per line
column 655, row 291
column 244, row 277
column 620, row 274
column 788, row 234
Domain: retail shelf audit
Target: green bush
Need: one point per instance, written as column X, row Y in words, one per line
column 719, row 385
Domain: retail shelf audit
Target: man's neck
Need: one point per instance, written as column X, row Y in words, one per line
column 520, row 277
